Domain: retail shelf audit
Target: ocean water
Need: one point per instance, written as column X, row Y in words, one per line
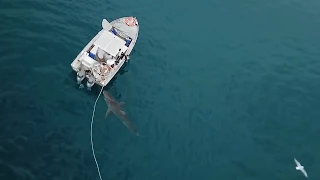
column 220, row 90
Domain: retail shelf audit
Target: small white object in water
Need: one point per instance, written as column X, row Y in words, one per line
column 300, row 168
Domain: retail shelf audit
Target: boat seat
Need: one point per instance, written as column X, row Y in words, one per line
column 128, row 41
column 114, row 31
column 92, row 55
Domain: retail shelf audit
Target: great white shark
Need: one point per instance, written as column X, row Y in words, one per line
column 115, row 108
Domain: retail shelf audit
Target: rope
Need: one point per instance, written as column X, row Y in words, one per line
column 92, row 119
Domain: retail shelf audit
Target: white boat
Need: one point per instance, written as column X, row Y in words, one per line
column 106, row 53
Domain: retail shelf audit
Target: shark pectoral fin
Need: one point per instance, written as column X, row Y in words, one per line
column 124, row 113
column 108, row 113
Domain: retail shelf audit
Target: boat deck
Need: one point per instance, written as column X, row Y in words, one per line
column 117, row 39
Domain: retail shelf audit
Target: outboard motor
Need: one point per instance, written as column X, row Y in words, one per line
column 80, row 76
column 90, row 82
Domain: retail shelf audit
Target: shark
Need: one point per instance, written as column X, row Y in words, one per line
column 116, row 108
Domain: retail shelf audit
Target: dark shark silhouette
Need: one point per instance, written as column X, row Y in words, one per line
column 115, row 108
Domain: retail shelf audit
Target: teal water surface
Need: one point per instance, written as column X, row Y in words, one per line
column 220, row 90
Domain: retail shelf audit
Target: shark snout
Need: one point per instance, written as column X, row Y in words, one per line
column 106, row 94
